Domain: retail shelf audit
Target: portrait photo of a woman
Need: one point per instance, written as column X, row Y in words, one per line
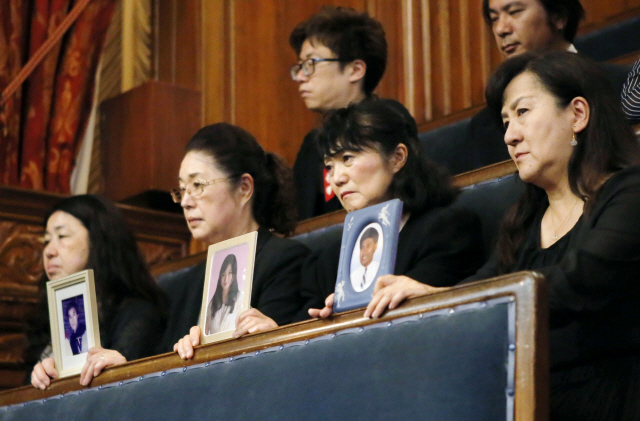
column 226, row 303
column 75, row 327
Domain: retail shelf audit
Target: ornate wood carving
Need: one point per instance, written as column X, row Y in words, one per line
column 20, row 253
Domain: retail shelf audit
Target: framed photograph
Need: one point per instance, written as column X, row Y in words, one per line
column 369, row 244
column 73, row 315
column 227, row 286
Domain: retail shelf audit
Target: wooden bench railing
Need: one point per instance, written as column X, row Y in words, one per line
column 531, row 368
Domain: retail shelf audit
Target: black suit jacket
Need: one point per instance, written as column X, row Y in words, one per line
column 309, row 182
column 439, row 247
column 275, row 291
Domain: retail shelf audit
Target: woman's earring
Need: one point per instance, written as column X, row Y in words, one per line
column 574, row 142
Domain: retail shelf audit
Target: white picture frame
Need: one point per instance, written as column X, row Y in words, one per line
column 69, row 342
column 227, row 286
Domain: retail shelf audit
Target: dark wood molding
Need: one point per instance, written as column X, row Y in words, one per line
column 30, row 206
column 526, row 288
column 25, row 205
column 490, row 172
column 172, row 266
column 321, row 221
column 449, row 119
column 612, row 20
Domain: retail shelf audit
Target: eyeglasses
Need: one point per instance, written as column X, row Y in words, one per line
column 196, row 189
column 308, row 66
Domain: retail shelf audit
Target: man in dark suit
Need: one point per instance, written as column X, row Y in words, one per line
column 342, row 55
column 519, row 26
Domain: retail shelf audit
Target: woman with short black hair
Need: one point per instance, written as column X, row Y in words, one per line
column 372, row 154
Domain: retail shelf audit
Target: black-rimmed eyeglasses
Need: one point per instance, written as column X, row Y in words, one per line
column 308, row 66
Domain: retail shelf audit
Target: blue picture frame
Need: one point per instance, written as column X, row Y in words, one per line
column 354, row 286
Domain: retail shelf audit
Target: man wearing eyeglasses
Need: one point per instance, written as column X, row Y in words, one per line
column 342, row 55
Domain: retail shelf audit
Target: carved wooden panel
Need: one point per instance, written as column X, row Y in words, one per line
column 20, row 253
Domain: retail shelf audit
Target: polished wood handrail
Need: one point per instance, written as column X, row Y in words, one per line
column 526, row 288
column 490, row 172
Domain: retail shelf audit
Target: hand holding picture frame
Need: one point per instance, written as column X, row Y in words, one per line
column 368, row 251
column 73, row 317
column 227, row 286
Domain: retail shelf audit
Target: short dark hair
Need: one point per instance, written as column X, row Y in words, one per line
column 236, row 152
column 605, row 146
column 381, row 125
column 72, row 305
column 369, row 233
column 350, row 35
column 569, row 10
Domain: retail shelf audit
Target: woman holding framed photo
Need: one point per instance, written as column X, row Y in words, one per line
column 229, row 186
column 89, row 232
column 372, row 155
column 576, row 224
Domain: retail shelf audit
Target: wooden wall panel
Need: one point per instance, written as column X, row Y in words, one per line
column 264, row 100
column 178, row 42
column 440, row 56
column 390, row 16
column 602, row 10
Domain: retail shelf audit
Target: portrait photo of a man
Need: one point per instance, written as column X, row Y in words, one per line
column 75, row 329
column 365, row 260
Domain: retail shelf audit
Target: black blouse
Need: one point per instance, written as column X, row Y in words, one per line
column 136, row 329
column 593, row 276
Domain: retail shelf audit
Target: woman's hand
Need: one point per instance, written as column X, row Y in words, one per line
column 98, row 359
column 391, row 290
column 43, row 373
column 252, row 321
column 184, row 347
column 325, row 312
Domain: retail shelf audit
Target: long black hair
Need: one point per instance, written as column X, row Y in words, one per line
column 381, row 125
column 216, row 300
column 236, row 152
column 119, row 269
column 605, row 146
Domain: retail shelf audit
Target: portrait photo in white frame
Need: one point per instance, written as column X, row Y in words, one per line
column 227, row 286
column 73, row 317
